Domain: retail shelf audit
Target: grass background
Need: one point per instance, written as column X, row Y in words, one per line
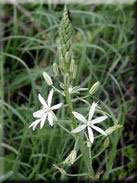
column 103, row 48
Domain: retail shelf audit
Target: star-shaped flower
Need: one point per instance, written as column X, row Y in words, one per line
column 73, row 90
column 90, row 123
column 46, row 112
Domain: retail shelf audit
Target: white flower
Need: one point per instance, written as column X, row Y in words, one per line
column 76, row 89
column 73, row 90
column 46, row 112
column 89, row 124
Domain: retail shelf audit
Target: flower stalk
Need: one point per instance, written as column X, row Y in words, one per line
column 67, row 65
column 67, row 68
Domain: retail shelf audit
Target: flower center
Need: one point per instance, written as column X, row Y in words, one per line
column 46, row 109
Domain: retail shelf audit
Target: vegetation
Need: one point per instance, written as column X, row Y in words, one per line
column 103, row 49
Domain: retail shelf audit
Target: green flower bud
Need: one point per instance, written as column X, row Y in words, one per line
column 67, row 57
column 112, row 129
column 61, row 170
column 66, row 79
column 55, row 69
column 61, row 63
column 94, row 88
column 71, row 158
column 74, row 72
column 106, row 143
column 47, row 79
column 72, row 65
column 88, row 144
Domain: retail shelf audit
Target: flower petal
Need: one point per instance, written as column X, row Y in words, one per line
column 43, row 102
column 98, row 120
column 50, row 119
column 79, row 116
column 38, row 114
column 34, row 124
column 79, row 128
column 43, row 119
column 50, row 98
column 90, row 134
column 54, row 116
column 82, row 89
column 99, row 130
column 92, row 110
column 56, row 106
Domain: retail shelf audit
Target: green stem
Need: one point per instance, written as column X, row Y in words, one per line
column 82, row 146
column 1, row 111
column 70, row 106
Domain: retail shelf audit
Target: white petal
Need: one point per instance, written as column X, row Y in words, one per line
column 50, row 119
column 90, row 134
column 82, row 89
column 80, row 117
column 38, row 114
column 50, row 98
column 99, row 130
column 56, row 106
column 34, row 124
column 43, row 120
column 54, row 116
column 79, row 128
column 98, row 120
column 92, row 110
column 43, row 102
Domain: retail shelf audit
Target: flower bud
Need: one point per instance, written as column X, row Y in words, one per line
column 71, row 158
column 61, row 62
column 112, row 129
column 55, row 69
column 47, row 79
column 72, row 65
column 106, row 143
column 94, row 88
column 63, row 49
column 66, row 79
column 67, row 57
column 88, row 144
column 74, row 72
column 61, row 170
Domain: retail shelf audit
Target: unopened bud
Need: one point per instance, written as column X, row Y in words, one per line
column 61, row 170
column 67, row 57
column 88, row 144
column 72, row 65
column 47, row 79
column 106, row 143
column 71, row 158
column 63, row 49
column 94, row 88
column 112, row 129
column 55, row 69
column 61, row 62
column 74, row 72
column 66, row 79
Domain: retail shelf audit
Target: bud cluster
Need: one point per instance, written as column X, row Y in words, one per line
column 66, row 60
